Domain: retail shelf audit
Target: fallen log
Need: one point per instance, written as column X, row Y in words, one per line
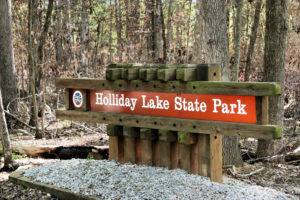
column 63, row 152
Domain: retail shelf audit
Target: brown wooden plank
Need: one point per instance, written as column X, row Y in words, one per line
column 194, row 87
column 166, row 74
column 85, row 100
column 184, row 157
column 147, row 137
column 186, row 74
column 174, row 124
column 165, row 154
column 129, row 149
column 216, row 158
column 116, row 142
column 138, row 151
column 113, row 74
column 265, row 111
column 132, row 152
column 67, row 99
column 174, row 155
column 194, row 158
column 186, row 137
column 203, row 154
column 146, row 152
column 155, row 153
column 113, row 148
column 167, row 136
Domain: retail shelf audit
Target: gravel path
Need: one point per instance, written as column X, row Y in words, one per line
column 111, row 180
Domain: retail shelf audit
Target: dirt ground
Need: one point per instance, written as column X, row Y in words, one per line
column 282, row 177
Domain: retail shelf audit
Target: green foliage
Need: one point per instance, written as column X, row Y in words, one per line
column 90, row 157
column 18, row 156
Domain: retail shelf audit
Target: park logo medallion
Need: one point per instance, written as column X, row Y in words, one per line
column 77, row 99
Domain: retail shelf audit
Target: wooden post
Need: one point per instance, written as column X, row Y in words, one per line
column 166, row 138
column 210, row 146
column 187, row 141
column 116, row 142
column 132, row 144
column 148, row 137
column 67, row 99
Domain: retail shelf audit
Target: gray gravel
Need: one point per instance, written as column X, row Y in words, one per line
column 111, row 180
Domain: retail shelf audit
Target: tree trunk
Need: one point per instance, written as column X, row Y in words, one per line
column 7, row 67
column 84, row 36
column 253, row 36
column 211, row 46
column 119, row 29
column 274, row 61
column 149, row 16
column 170, row 47
column 110, row 33
column 66, row 35
column 237, row 40
column 163, row 32
column 133, row 26
column 7, row 78
column 58, row 33
column 32, row 68
column 157, row 33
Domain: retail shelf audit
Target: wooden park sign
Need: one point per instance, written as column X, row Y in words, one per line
column 170, row 115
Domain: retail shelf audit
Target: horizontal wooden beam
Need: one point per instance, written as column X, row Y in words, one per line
column 193, row 87
column 174, row 124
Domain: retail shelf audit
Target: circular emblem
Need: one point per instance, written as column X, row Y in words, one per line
column 77, row 99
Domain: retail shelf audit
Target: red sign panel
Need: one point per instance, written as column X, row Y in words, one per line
column 227, row 108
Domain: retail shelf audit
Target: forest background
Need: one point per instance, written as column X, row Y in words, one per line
column 73, row 38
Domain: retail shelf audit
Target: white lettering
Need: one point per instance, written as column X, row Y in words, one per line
column 99, row 98
column 217, row 103
column 241, row 108
column 178, row 105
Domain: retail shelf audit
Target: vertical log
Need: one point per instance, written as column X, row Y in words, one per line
column 116, row 142
column 148, row 137
column 131, row 146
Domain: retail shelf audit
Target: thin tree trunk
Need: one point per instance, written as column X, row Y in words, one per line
column 58, row 32
column 164, row 59
column 253, row 36
column 170, row 31
column 274, row 61
column 178, row 48
column 237, row 40
column 66, row 35
column 188, row 32
column 110, row 32
column 133, row 26
column 42, row 43
column 84, row 35
column 119, row 29
column 32, row 70
column 211, row 46
column 9, row 163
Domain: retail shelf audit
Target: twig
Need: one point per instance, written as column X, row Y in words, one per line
column 235, row 174
column 291, row 162
column 19, row 120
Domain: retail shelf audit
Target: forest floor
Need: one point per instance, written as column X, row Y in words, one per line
column 277, row 175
